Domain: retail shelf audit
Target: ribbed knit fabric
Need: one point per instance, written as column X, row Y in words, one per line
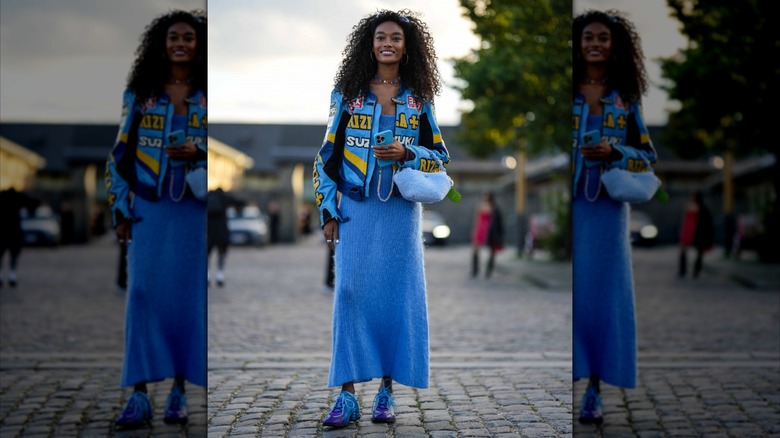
column 604, row 325
column 380, row 313
column 165, row 324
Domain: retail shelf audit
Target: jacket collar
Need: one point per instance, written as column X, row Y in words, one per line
column 608, row 99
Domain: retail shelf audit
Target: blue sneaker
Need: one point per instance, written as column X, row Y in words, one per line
column 590, row 412
column 383, row 407
column 137, row 411
column 176, row 407
column 345, row 410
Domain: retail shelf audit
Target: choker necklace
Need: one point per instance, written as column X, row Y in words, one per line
column 179, row 81
column 594, row 81
column 382, row 81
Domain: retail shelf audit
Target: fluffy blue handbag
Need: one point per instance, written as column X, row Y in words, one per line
column 418, row 186
column 632, row 187
column 197, row 179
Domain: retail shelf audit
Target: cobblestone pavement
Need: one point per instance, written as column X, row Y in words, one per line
column 500, row 350
column 709, row 350
column 61, row 342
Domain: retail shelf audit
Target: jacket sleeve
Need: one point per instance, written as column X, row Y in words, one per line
column 119, row 166
column 430, row 146
column 638, row 147
column 327, row 164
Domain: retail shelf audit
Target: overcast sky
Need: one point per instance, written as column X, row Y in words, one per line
column 660, row 36
column 274, row 61
column 67, row 60
column 269, row 61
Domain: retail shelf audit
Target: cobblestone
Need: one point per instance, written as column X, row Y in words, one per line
column 500, row 351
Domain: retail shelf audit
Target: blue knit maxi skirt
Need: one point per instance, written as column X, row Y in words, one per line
column 165, row 325
column 380, row 313
column 604, row 325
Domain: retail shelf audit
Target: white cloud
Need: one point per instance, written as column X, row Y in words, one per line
column 276, row 63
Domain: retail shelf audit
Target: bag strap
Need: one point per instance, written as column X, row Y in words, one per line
column 379, row 185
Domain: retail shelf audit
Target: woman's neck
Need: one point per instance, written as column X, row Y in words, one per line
column 180, row 73
column 595, row 74
column 387, row 72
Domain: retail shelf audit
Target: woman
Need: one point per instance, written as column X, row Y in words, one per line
column 488, row 231
column 386, row 81
column 696, row 231
column 610, row 77
column 157, row 215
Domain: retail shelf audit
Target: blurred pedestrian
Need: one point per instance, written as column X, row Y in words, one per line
column 380, row 322
column 67, row 223
column 488, row 231
column 217, row 204
column 304, row 220
column 696, row 231
column 330, row 272
column 159, row 154
column 610, row 79
column 12, row 203
column 273, row 221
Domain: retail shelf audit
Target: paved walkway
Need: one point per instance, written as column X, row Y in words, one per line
column 61, row 343
column 500, row 350
column 709, row 350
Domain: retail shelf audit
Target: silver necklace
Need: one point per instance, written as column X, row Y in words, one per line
column 382, row 81
column 179, row 81
column 594, row 81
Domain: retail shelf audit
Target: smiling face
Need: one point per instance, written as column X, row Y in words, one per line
column 181, row 43
column 596, row 43
column 389, row 44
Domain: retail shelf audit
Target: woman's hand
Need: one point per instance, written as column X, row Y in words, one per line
column 124, row 232
column 394, row 151
column 331, row 232
column 601, row 151
column 186, row 151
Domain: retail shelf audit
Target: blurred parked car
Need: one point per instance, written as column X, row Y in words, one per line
column 643, row 231
column 435, row 230
column 42, row 228
column 248, row 226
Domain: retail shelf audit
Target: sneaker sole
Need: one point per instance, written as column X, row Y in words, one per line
column 167, row 420
column 585, row 420
column 353, row 418
column 383, row 420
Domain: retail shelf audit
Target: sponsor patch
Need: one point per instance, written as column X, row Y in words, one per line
column 411, row 102
column 619, row 103
column 356, row 103
column 357, row 142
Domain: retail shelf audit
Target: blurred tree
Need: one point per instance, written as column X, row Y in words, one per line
column 725, row 80
column 519, row 80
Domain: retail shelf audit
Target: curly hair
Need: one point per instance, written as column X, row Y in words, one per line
column 625, row 67
column 358, row 67
column 152, row 68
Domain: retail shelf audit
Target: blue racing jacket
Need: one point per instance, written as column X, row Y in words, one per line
column 622, row 127
column 137, row 162
column 345, row 162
